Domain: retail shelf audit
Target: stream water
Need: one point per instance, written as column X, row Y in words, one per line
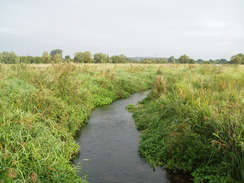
column 109, row 148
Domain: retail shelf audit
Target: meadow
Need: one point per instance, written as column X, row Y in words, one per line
column 41, row 109
column 192, row 120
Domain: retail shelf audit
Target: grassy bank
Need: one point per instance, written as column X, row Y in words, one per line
column 193, row 121
column 41, row 108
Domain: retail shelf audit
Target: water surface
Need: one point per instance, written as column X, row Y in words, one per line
column 109, row 147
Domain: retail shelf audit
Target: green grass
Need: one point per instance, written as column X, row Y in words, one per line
column 41, row 109
column 193, row 122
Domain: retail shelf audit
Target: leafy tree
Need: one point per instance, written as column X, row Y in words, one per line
column 57, row 58
column 55, row 52
column 192, row 61
column 78, row 57
column 171, row 59
column 38, row 60
column 184, row 59
column 200, row 61
column 47, row 58
column 26, row 59
column 67, row 57
column 131, row 60
column 211, row 61
column 83, row 57
column 87, row 57
column 118, row 59
column 237, row 59
column 148, row 61
column 107, row 59
column 1, row 58
column 100, row 58
column 223, row 61
column 9, row 58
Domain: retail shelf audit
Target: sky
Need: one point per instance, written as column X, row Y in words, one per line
column 206, row 29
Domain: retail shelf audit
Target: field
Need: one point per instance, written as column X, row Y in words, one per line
column 192, row 120
column 41, row 109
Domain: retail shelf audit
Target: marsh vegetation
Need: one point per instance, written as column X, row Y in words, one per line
column 192, row 120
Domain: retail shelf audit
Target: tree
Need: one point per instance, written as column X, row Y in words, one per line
column 67, row 57
column 57, row 58
column 1, row 58
column 87, row 57
column 47, row 58
column 9, row 58
column 237, row 59
column 223, row 61
column 200, row 61
column 55, row 52
column 192, row 61
column 171, row 59
column 107, row 59
column 38, row 60
column 118, row 59
column 83, row 57
column 26, row 59
column 184, row 59
column 100, row 58
column 78, row 57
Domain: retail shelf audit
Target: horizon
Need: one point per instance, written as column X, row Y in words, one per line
column 202, row 30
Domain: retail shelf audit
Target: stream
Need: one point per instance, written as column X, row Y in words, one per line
column 109, row 148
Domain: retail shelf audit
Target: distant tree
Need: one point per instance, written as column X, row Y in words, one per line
column 192, row 61
column 9, row 58
column 131, row 60
column 27, row 59
column 47, row 58
column 211, row 61
column 83, row 57
column 87, row 57
column 171, row 59
column 161, row 60
column 57, row 58
column 78, row 57
column 200, row 61
column 184, row 59
column 67, row 57
column 147, row 61
column 100, row 58
column 118, row 59
column 55, row 52
column 38, row 60
column 237, row 59
column 1, row 58
column 223, row 61
column 107, row 59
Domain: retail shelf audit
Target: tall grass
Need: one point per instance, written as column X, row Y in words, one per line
column 42, row 108
column 193, row 122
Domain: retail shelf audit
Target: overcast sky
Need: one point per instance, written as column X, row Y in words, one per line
column 163, row 28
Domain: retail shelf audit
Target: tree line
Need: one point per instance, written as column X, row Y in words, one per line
column 56, row 56
column 184, row 59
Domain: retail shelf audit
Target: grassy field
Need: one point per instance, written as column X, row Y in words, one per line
column 193, row 122
column 42, row 107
